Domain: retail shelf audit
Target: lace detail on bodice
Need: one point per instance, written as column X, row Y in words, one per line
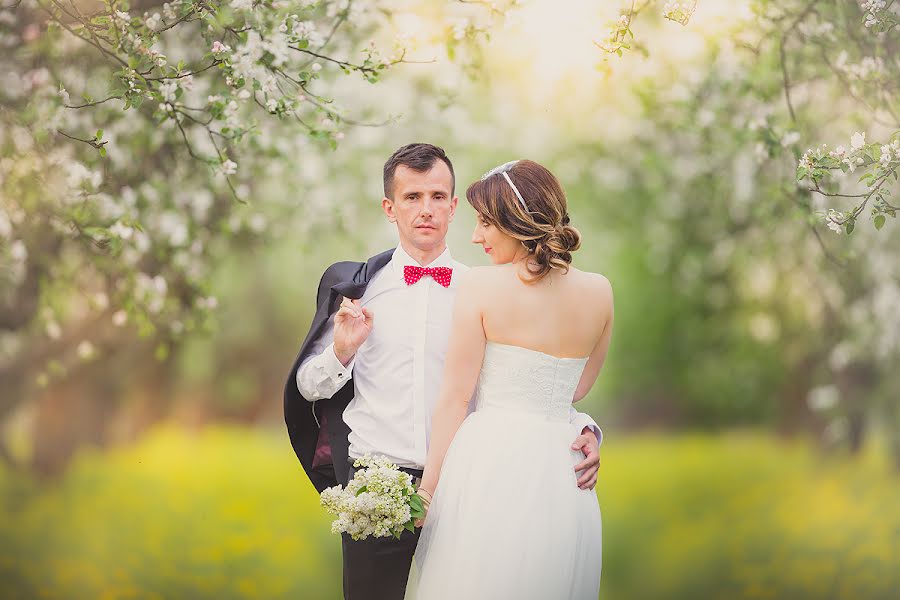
column 524, row 380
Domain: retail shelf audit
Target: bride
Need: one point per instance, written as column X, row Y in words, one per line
column 529, row 337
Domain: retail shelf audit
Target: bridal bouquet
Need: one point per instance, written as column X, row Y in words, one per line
column 379, row 501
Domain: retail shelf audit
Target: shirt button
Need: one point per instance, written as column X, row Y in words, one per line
column 340, row 375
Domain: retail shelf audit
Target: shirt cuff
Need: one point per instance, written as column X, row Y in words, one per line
column 333, row 367
column 597, row 432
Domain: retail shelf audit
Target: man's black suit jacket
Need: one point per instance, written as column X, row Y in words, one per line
column 317, row 429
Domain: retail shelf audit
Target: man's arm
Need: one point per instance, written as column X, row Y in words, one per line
column 584, row 421
column 589, row 443
column 334, row 352
column 322, row 375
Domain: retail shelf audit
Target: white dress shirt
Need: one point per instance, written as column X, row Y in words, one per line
column 398, row 369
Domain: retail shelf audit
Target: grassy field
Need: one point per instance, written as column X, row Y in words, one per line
column 227, row 513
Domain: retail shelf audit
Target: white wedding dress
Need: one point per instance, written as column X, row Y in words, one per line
column 508, row 520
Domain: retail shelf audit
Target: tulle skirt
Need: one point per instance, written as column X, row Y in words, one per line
column 508, row 519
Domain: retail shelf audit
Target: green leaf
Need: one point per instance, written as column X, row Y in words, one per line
column 361, row 490
column 849, row 226
column 879, row 221
column 103, row 152
column 99, row 134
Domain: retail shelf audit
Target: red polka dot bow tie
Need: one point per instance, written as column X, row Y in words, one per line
column 442, row 275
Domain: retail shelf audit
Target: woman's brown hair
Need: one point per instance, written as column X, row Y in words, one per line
column 537, row 215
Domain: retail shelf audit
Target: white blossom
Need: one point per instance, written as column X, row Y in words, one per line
column 153, row 22
column 375, row 503
column 834, row 219
column 857, row 141
column 168, row 90
column 229, row 167
column 54, row 331
column 790, row 138
column 120, row 230
column 823, row 398
column 119, row 318
column 85, row 350
column 101, row 300
column 18, row 251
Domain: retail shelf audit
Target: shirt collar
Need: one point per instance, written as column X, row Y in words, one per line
column 401, row 258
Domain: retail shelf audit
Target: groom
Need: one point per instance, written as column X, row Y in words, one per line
column 395, row 365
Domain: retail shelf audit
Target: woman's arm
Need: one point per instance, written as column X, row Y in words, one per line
column 465, row 353
column 604, row 298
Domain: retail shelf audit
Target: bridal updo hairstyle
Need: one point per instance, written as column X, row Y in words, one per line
column 542, row 224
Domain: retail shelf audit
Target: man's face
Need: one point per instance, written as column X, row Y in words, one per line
column 422, row 205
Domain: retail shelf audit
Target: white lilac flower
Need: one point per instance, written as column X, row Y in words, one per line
column 376, row 502
column 857, row 141
column 271, row 105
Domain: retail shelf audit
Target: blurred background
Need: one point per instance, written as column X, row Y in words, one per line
column 175, row 178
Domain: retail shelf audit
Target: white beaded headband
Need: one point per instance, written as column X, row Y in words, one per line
column 502, row 169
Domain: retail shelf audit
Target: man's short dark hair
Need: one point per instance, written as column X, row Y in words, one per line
column 418, row 157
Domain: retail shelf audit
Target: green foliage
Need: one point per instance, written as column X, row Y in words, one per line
column 227, row 513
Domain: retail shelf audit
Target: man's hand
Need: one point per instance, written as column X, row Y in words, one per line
column 590, row 447
column 352, row 325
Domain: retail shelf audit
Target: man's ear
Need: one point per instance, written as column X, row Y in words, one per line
column 387, row 205
column 453, row 204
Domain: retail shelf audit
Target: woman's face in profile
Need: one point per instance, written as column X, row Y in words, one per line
column 500, row 247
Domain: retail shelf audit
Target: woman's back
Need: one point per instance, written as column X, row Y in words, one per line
column 565, row 314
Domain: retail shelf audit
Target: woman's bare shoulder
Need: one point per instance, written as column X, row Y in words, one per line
column 594, row 285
